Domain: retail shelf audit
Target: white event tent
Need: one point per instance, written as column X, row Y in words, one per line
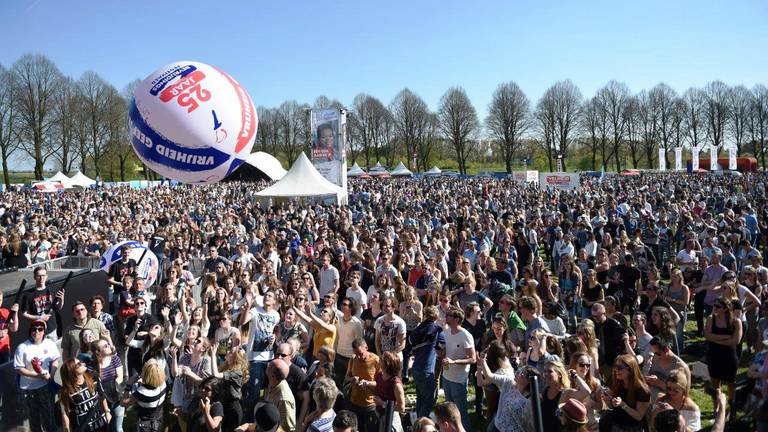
column 63, row 179
column 356, row 171
column 378, row 171
column 82, row 180
column 305, row 182
column 434, row 171
column 401, row 171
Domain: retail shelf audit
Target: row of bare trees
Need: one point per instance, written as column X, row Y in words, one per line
column 50, row 118
column 54, row 120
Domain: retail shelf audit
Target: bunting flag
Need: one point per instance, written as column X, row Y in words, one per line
column 694, row 159
column 713, row 166
column 678, row 158
column 732, row 165
column 662, row 160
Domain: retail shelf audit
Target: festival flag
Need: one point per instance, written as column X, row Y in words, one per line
column 678, row 158
column 713, row 166
column 732, row 165
column 662, row 160
column 694, row 159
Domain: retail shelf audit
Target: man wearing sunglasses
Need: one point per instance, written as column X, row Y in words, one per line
column 36, row 361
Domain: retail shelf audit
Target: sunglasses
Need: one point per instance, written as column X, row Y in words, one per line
column 585, row 365
column 346, row 304
column 37, row 329
column 140, row 303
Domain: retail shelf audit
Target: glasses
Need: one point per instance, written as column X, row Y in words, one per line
column 37, row 329
column 140, row 303
column 345, row 304
column 585, row 365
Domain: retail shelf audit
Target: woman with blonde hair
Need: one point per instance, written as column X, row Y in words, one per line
column 308, row 281
column 83, row 407
column 629, row 396
column 190, row 370
column 678, row 295
column 324, row 326
column 677, row 398
column 149, row 396
column 586, row 334
column 233, row 375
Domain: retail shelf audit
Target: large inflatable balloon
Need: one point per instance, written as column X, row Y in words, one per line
column 148, row 267
column 192, row 122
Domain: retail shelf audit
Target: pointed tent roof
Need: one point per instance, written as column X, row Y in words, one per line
column 303, row 180
column 258, row 166
column 434, row 171
column 82, row 180
column 356, row 171
column 63, row 179
column 378, row 170
column 401, row 170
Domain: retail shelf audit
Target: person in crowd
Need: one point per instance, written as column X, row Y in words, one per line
column 70, row 343
column 324, row 392
column 261, row 323
column 43, row 303
column 628, row 397
column 84, row 408
column 390, row 329
column 662, row 363
column 324, row 327
column 205, row 411
column 348, row 328
column 345, row 421
column 279, row 394
column 459, row 355
column 190, row 370
column 449, row 417
column 148, row 395
column 362, row 369
column 723, row 333
column 387, row 386
column 107, row 370
column 610, row 334
column 35, row 361
column 233, row 375
column 9, row 323
column 676, row 398
column 572, row 416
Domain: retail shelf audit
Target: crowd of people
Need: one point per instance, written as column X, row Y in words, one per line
column 496, row 298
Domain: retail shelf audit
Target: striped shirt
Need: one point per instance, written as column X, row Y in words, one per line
column 149, row 401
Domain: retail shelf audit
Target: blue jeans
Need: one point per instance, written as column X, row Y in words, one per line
column 425, row 392
column 252, row 391
column 457, row 393
column 118, row 414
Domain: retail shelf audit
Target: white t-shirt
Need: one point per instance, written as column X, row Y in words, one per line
column 47, row 352
column 687, row 259
column 360, row 297
column 328, row 278
column 262, row 323
column 456, row 346
column 346, row 332
column 389, row 332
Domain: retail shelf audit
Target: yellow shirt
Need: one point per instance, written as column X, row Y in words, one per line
column 364, row 370
column 322, row 337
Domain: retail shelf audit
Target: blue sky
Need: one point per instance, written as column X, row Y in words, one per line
column 301, row 49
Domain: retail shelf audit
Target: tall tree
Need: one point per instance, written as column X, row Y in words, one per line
column 268, row 132
column 758, row 123
column 663, row 103
column 716, row 112
column 595, row 123
column 632, row 122
column 8, row 115
column 459, row 124
column 371, row 117
column 738, row 115
column 648, row 122
column 694, row 117
column 428, row 142
column 35, row 80
column 293, row 122
column 97, row 97
column 508, row 119
column 65, row 110
column 557, row 113
column 614, row 97
column 411, row 119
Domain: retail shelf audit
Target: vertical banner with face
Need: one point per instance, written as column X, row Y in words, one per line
column 732, row 165
column 678, row 158
column 662, row 160
column 328, row 145
column 694, row 159
column 713, row 158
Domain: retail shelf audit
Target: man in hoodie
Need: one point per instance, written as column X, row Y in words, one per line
column 426, row 340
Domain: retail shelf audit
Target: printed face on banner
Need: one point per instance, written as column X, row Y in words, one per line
column 328, row 152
